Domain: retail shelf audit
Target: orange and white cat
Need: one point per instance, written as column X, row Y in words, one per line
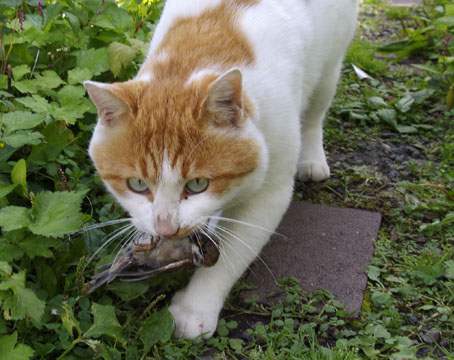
column 225, row 111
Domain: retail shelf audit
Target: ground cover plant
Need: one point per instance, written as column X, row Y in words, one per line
column 390, row 143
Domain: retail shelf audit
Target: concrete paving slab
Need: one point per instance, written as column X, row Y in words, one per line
column 324, row 248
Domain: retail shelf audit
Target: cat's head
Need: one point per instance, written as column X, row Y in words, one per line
column 174, row 154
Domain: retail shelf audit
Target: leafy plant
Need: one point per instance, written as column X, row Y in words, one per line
column 428, row 34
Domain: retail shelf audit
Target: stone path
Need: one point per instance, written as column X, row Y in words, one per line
column 325, row 248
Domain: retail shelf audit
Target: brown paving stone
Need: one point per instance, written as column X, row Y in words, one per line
column 325, row 248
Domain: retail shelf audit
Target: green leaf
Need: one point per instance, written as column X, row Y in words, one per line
column 22, row 301
column 38, row 246
column 388, row 116
column 19, row 176
column 36, row 103
column 120, row 55
column 70, row 110
column 10, row 350
column 157, row 328
column 77, row 76
column 56, row 136
column 128, row 291
column 95, row 60
column 5, row 189
column 9, row 252
column 105, row 323
column 21, row 120
column 22, row 137
column 20, row 71
column 26, row 86
column 69, row 321
column 71, row 92
column 449, row 269
column 444, row 21
column 49, row 79
column 14, row 217
column 5, row 268
column 56, row 214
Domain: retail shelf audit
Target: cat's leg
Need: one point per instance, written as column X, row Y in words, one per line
column 312, row 163
column 196, row 308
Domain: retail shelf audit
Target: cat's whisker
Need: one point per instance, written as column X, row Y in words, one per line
column 225, row 259
column 110, row 238
column 230, row 220
column 103, row 224
column 234, row 236
column 225, row 242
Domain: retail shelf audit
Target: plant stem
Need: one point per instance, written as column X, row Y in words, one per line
column 69, row 349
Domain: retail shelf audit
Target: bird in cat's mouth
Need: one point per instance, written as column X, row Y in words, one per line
column 149, row 256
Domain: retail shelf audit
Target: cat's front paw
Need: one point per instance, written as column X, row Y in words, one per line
column 191, row 319
column 313, row 170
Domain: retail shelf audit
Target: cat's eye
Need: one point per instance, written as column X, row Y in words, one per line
column 137, row 185
column 196, row 186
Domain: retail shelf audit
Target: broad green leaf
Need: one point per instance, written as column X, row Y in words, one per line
column 5, row 189
column 56, row 136
column 105, row 323
column 120, row 55
column 20, row 71
column 77, row 76
column 14, row 217
column 69, row 321
column 139, row 45
column 49, row 79
column 114, row 18
column 22, row 137
column 21, row 302
column 10, row 350
column 406, row 129
column 157, row 328
column 404, row 105
column 21, row 120
column 449, row 269
column 74, row 22
column 71, row 92
column 46, row 276
column 5, row 268
column 36, row 103
column 56, row 214
column 128, row 291
column 388, row 116
column 444, row 21
column 95, row 60
column 9, row 252
column 69, row 110
column 19, row 175
column 26, row 86
column 38, row 246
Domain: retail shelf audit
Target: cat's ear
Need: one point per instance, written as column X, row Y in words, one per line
column 225, row 100
column 110, row 106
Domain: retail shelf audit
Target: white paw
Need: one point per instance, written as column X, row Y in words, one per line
column 313, row 170
column 191, row 320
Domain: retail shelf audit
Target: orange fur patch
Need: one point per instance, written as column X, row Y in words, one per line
column 166, row 115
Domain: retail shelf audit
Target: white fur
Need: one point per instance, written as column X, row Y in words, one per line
column 299, row 46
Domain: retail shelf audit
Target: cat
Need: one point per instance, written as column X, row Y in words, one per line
column 226, row 110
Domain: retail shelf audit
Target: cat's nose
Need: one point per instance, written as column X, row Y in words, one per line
column 166, row 227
